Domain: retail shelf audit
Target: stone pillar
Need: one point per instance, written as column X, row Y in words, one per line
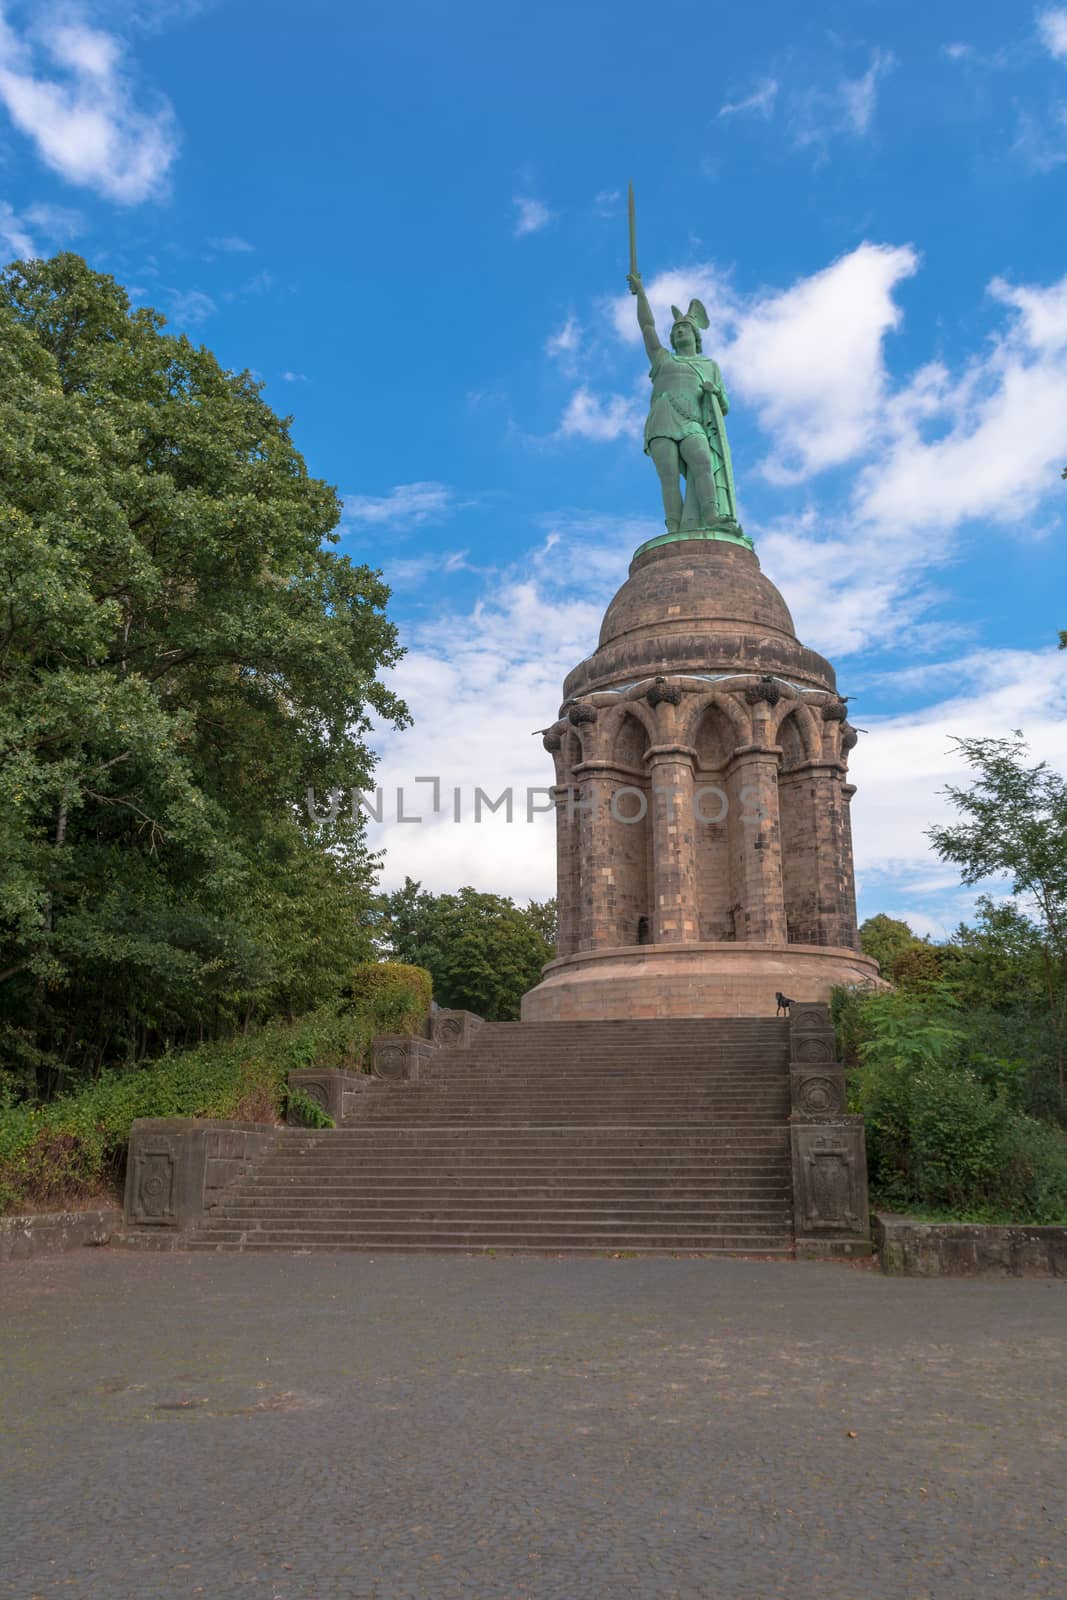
column 592, row 809
column 756, row 845
column 832, row 891
column 674, row 899
column 568, row 869
column 848, row 869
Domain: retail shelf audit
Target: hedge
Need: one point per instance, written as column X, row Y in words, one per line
column 76, row 1146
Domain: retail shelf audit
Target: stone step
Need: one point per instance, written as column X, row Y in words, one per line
column 660, row 1215
column 505, row 1185
column 519, row 1118
column 775, row 1247
column 753, row 1063
column 543, row 1239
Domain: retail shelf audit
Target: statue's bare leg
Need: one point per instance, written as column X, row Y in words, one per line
column 700, row 476
column 664, row 453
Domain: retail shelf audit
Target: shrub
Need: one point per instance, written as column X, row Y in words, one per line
column 955, row 1133
column 945, row 1128
column 304, row 1112
column 394, row 995
column 1034, row 1168
column 76, row 1146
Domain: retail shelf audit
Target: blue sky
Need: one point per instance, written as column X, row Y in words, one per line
column 410, row 223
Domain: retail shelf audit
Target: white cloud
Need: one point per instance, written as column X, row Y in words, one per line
column 819, row 115
column 601, row 418
column 605, row 202
column 761, row 100
column 478, row 683
column 231, row 244
column 409, row 571
column 958, row 51
column 56, row 223
column 903, row 764
column 985, row 442
column 533, row 215
column 859, row 95
column 1041, row 138
column 1052, row 31
column 84, row 120
column 15, row 239
column 19, row 232
column 411, row 503
column 811, row 359
column 295, row 377
column 191, row 307
column 566, row 341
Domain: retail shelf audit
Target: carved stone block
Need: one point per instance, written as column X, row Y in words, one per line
column 330, row 1087
column 151, row 1182
column 398, row 1058
column 812, row 1041
column 177, row 1167
column 809, row 1016
column 449, row 1027
column 817, row 1090
column 829, row 1181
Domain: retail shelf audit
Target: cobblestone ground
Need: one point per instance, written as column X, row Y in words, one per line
column 389, row 1428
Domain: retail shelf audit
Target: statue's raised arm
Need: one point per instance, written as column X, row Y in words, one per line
column 645, row 320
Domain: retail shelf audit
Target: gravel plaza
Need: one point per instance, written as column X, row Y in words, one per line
column 417, row 1427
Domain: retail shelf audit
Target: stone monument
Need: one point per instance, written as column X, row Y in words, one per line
column 703, row 839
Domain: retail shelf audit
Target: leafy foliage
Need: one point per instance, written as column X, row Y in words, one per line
column 76, row 1145
column 884, row 939
column 947, row 1128
column 304, row 1112
column 1014, row 825
column 482, row 950
column 181, row 660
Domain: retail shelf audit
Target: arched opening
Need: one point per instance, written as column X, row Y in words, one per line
column 796, row 812
column 714, row 741
column 630, row 830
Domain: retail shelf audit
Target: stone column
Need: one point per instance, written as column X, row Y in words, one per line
column 674, row 897
column 848, row 869
column 592, row 812
column 756, row 845
column 831, row 858
column 568, row 874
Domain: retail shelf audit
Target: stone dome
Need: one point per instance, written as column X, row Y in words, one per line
column 703, row 584
column 697, row 606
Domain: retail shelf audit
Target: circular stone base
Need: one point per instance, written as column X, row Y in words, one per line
column 690, row 980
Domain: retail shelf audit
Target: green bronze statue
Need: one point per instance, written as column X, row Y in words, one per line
column 685, row 433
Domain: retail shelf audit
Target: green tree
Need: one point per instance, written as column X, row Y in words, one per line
column 883, row 938
column 482, row 950
column 1014, row 826
column 181, row 660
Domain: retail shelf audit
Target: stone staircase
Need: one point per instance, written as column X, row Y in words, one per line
column 555, row 1137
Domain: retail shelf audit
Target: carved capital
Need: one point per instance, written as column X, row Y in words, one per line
column 664, row 693
column 581, row 714
column 767, row 689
